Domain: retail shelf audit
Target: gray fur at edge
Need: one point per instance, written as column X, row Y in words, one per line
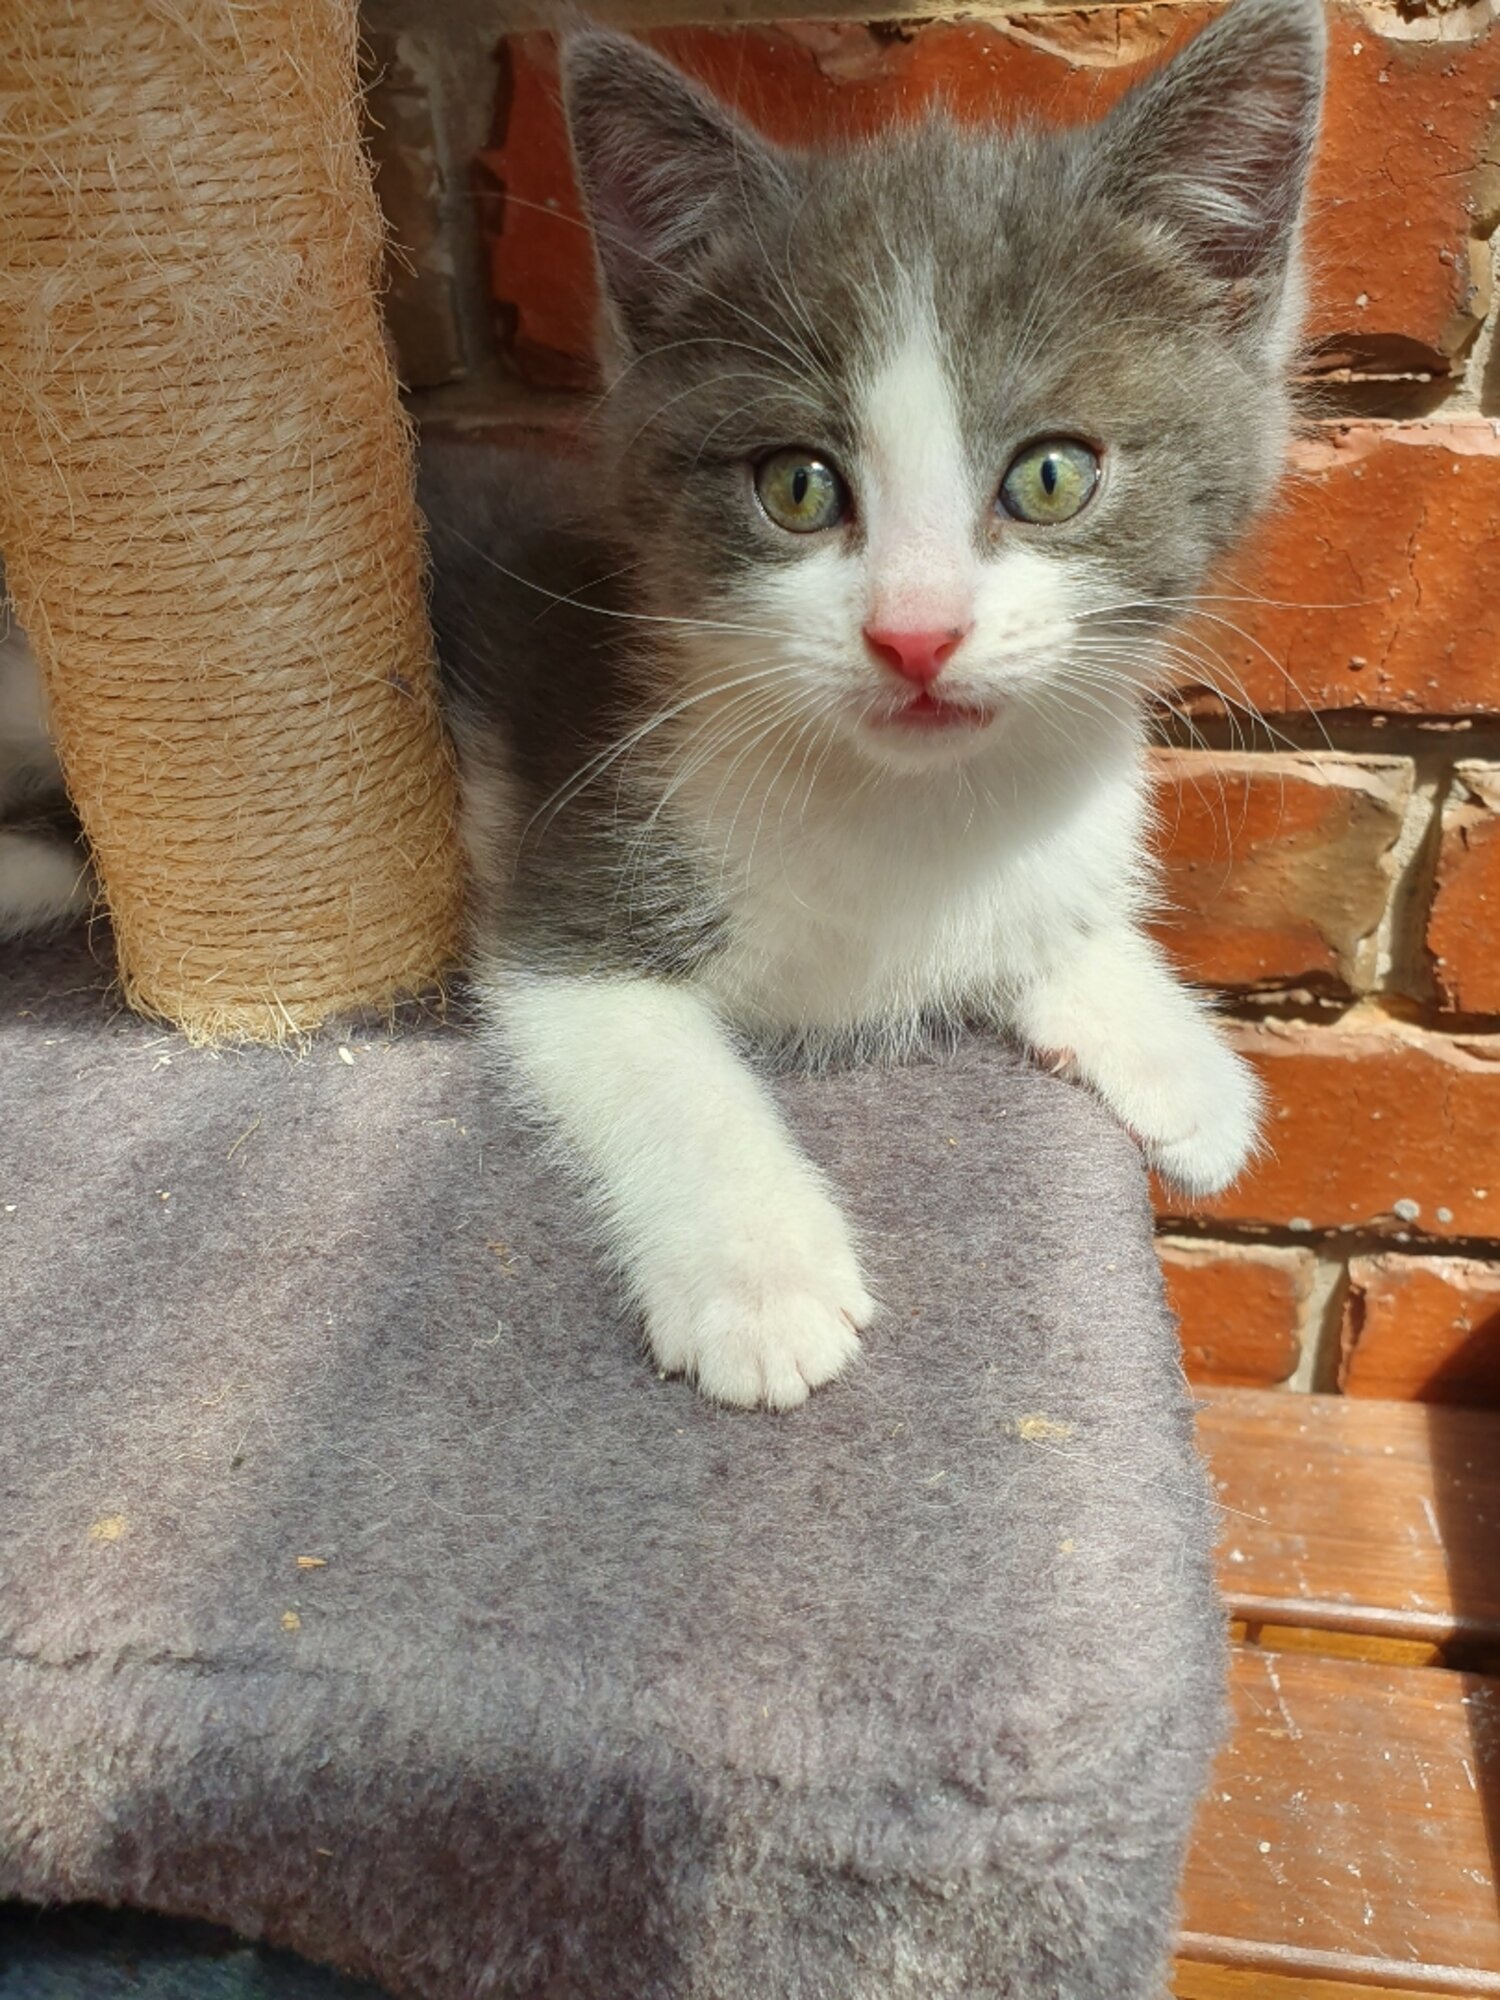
column 603, row 1694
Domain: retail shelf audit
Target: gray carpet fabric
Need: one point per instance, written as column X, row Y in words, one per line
column 363, row 1589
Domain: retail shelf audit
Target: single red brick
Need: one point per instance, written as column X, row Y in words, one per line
column 1377, row 583
column 1277, row 868
column 1373, row 1124
column 1243, row 1309
column 1423, row 1328
column 1400, row 174
column 1463, row 931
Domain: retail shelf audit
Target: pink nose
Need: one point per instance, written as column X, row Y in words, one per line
column 916, row 656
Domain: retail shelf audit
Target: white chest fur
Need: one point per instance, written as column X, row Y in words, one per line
column 858, row 903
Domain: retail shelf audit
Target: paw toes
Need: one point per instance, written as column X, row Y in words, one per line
column 785, row 1385
column 738, row 1379
column 772, row 1354
column 860, row 1310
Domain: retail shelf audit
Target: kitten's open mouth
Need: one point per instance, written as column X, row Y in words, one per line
column 928, row 711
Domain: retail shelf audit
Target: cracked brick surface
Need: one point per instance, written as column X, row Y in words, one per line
column 1422, row 1328
column 1277, row 868
column 1373, row 1125
column 1463, row 930
column 1244, row 1309
column 1376, row 585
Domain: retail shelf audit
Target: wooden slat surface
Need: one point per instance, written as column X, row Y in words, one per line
column 1357, row 1515
column 1227, row 1982
column 1345, row 1834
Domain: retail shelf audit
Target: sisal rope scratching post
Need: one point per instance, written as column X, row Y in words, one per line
column 206, row 505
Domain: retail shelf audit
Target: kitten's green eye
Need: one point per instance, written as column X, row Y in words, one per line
column 1050, row 481
column 800, row 491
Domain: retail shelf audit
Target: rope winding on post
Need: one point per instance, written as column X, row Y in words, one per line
column 206, row 505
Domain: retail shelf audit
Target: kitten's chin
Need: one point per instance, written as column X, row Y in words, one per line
column 928, row 731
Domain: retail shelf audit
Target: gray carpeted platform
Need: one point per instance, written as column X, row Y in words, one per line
column 594, row 1692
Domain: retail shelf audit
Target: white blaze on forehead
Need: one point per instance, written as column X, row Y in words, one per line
column 916, row 494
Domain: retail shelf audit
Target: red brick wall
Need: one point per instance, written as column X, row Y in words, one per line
column 1336, row 871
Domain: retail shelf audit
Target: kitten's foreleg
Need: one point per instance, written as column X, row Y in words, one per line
column 44, row 880
column 729, row 1239
column 1149, row 1047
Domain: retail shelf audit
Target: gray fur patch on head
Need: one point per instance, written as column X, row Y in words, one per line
column 1136, row 282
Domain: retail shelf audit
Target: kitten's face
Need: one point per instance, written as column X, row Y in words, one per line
column 949, row 425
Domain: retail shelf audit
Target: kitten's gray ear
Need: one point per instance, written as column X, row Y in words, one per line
column 664, row 170
column 1215, row 147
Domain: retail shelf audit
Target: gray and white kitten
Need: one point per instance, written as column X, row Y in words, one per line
column 809, row 710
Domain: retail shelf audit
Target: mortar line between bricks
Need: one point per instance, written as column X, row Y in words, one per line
column 1384, row 1008
column 1357, row 1241
column 1346, row 732
column 1318, row 1365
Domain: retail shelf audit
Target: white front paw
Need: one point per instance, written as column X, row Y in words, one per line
column 1196, row 1115
column 767, row 1318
